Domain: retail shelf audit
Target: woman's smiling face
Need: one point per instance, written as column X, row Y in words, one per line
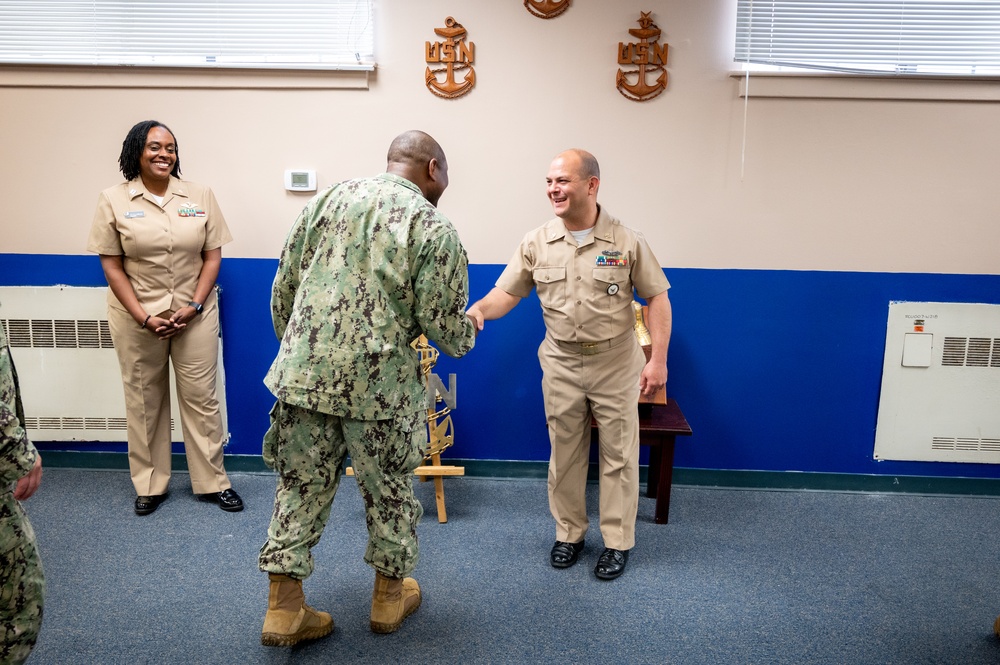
column 158, row 156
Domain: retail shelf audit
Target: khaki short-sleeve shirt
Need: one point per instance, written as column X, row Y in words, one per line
column 160, row 245
column 586, row 290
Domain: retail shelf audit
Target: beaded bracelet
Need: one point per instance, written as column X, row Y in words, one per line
column 148, row 317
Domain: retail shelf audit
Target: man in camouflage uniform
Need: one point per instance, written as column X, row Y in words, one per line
column 22, row 583
column 369, row 265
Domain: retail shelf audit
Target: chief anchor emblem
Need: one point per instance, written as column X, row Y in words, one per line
column 546, row 8
column 456, row 55
column 651, row 58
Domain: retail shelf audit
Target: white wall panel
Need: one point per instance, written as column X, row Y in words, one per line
column 67, row 367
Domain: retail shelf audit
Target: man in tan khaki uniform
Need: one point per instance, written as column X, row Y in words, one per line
column 585, row 265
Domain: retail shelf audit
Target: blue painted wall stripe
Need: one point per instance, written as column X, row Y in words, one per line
column 775, row 370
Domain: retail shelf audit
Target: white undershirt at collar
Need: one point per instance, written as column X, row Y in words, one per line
column 580, row 236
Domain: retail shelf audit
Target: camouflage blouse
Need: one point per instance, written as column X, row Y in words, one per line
column 17, row 454
column 368, row 266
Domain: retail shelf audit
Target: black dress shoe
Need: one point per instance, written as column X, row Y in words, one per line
column 144, row 505
column 611, row 564
column 227, row 499
column 564, row 555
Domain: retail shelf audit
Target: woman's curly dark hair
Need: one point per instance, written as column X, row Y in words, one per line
column 135, row 143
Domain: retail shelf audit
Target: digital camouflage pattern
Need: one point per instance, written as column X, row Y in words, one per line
column 307, row 449
column 368, row 266
column 22, row 582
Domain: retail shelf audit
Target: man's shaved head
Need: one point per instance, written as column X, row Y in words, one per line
column 414, row 148
column 416, row 156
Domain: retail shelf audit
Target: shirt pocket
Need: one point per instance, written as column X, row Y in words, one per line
column 127, row 228
column 550, row 282
column 613, row 284
column 189, row 234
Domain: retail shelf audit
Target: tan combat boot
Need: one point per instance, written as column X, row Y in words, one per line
column 392, row 601
column 289, row 620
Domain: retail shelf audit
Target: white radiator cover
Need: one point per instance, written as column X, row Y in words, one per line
column 940, row 398
column 66, row 364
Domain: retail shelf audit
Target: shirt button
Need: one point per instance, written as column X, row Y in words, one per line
column 580, row 326
column 578, row 278
column 578, row 302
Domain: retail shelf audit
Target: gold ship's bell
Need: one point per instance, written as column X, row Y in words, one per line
column 641, row 331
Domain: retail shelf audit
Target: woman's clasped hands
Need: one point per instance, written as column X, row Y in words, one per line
column 170, row 324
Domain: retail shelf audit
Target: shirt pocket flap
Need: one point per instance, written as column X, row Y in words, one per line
column 611, row 275
column 549, row 275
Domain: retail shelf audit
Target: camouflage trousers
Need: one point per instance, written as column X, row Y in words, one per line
column 22, row 583
column 308, row 449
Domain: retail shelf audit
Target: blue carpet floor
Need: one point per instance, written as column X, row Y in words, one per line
column 738, row 576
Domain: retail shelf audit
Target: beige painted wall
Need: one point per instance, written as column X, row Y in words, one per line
column 812, row 184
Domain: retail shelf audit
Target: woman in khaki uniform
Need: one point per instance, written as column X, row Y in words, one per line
column 160, row 241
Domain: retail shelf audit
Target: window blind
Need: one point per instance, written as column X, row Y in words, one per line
column 950, row 37
column 298, row 34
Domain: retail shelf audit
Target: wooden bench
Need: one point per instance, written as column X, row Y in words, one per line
column 659, row 425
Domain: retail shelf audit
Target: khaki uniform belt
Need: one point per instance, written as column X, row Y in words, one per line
column 593, row 348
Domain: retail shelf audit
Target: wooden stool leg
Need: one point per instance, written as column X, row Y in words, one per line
column 653, row 473
column 439, row 491
column 666, row 477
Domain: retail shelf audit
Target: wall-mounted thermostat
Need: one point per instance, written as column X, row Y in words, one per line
column 300, row 180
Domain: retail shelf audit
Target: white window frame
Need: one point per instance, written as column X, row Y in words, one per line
column 299, row 35
column 957, row 67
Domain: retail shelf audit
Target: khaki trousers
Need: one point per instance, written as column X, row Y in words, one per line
column 145, row 375
column 606, row 385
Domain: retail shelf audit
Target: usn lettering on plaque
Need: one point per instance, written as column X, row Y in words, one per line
column 456, row 55
column 650, row 58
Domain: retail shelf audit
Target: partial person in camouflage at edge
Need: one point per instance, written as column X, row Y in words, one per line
column 368, row 266
column 22, row 582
